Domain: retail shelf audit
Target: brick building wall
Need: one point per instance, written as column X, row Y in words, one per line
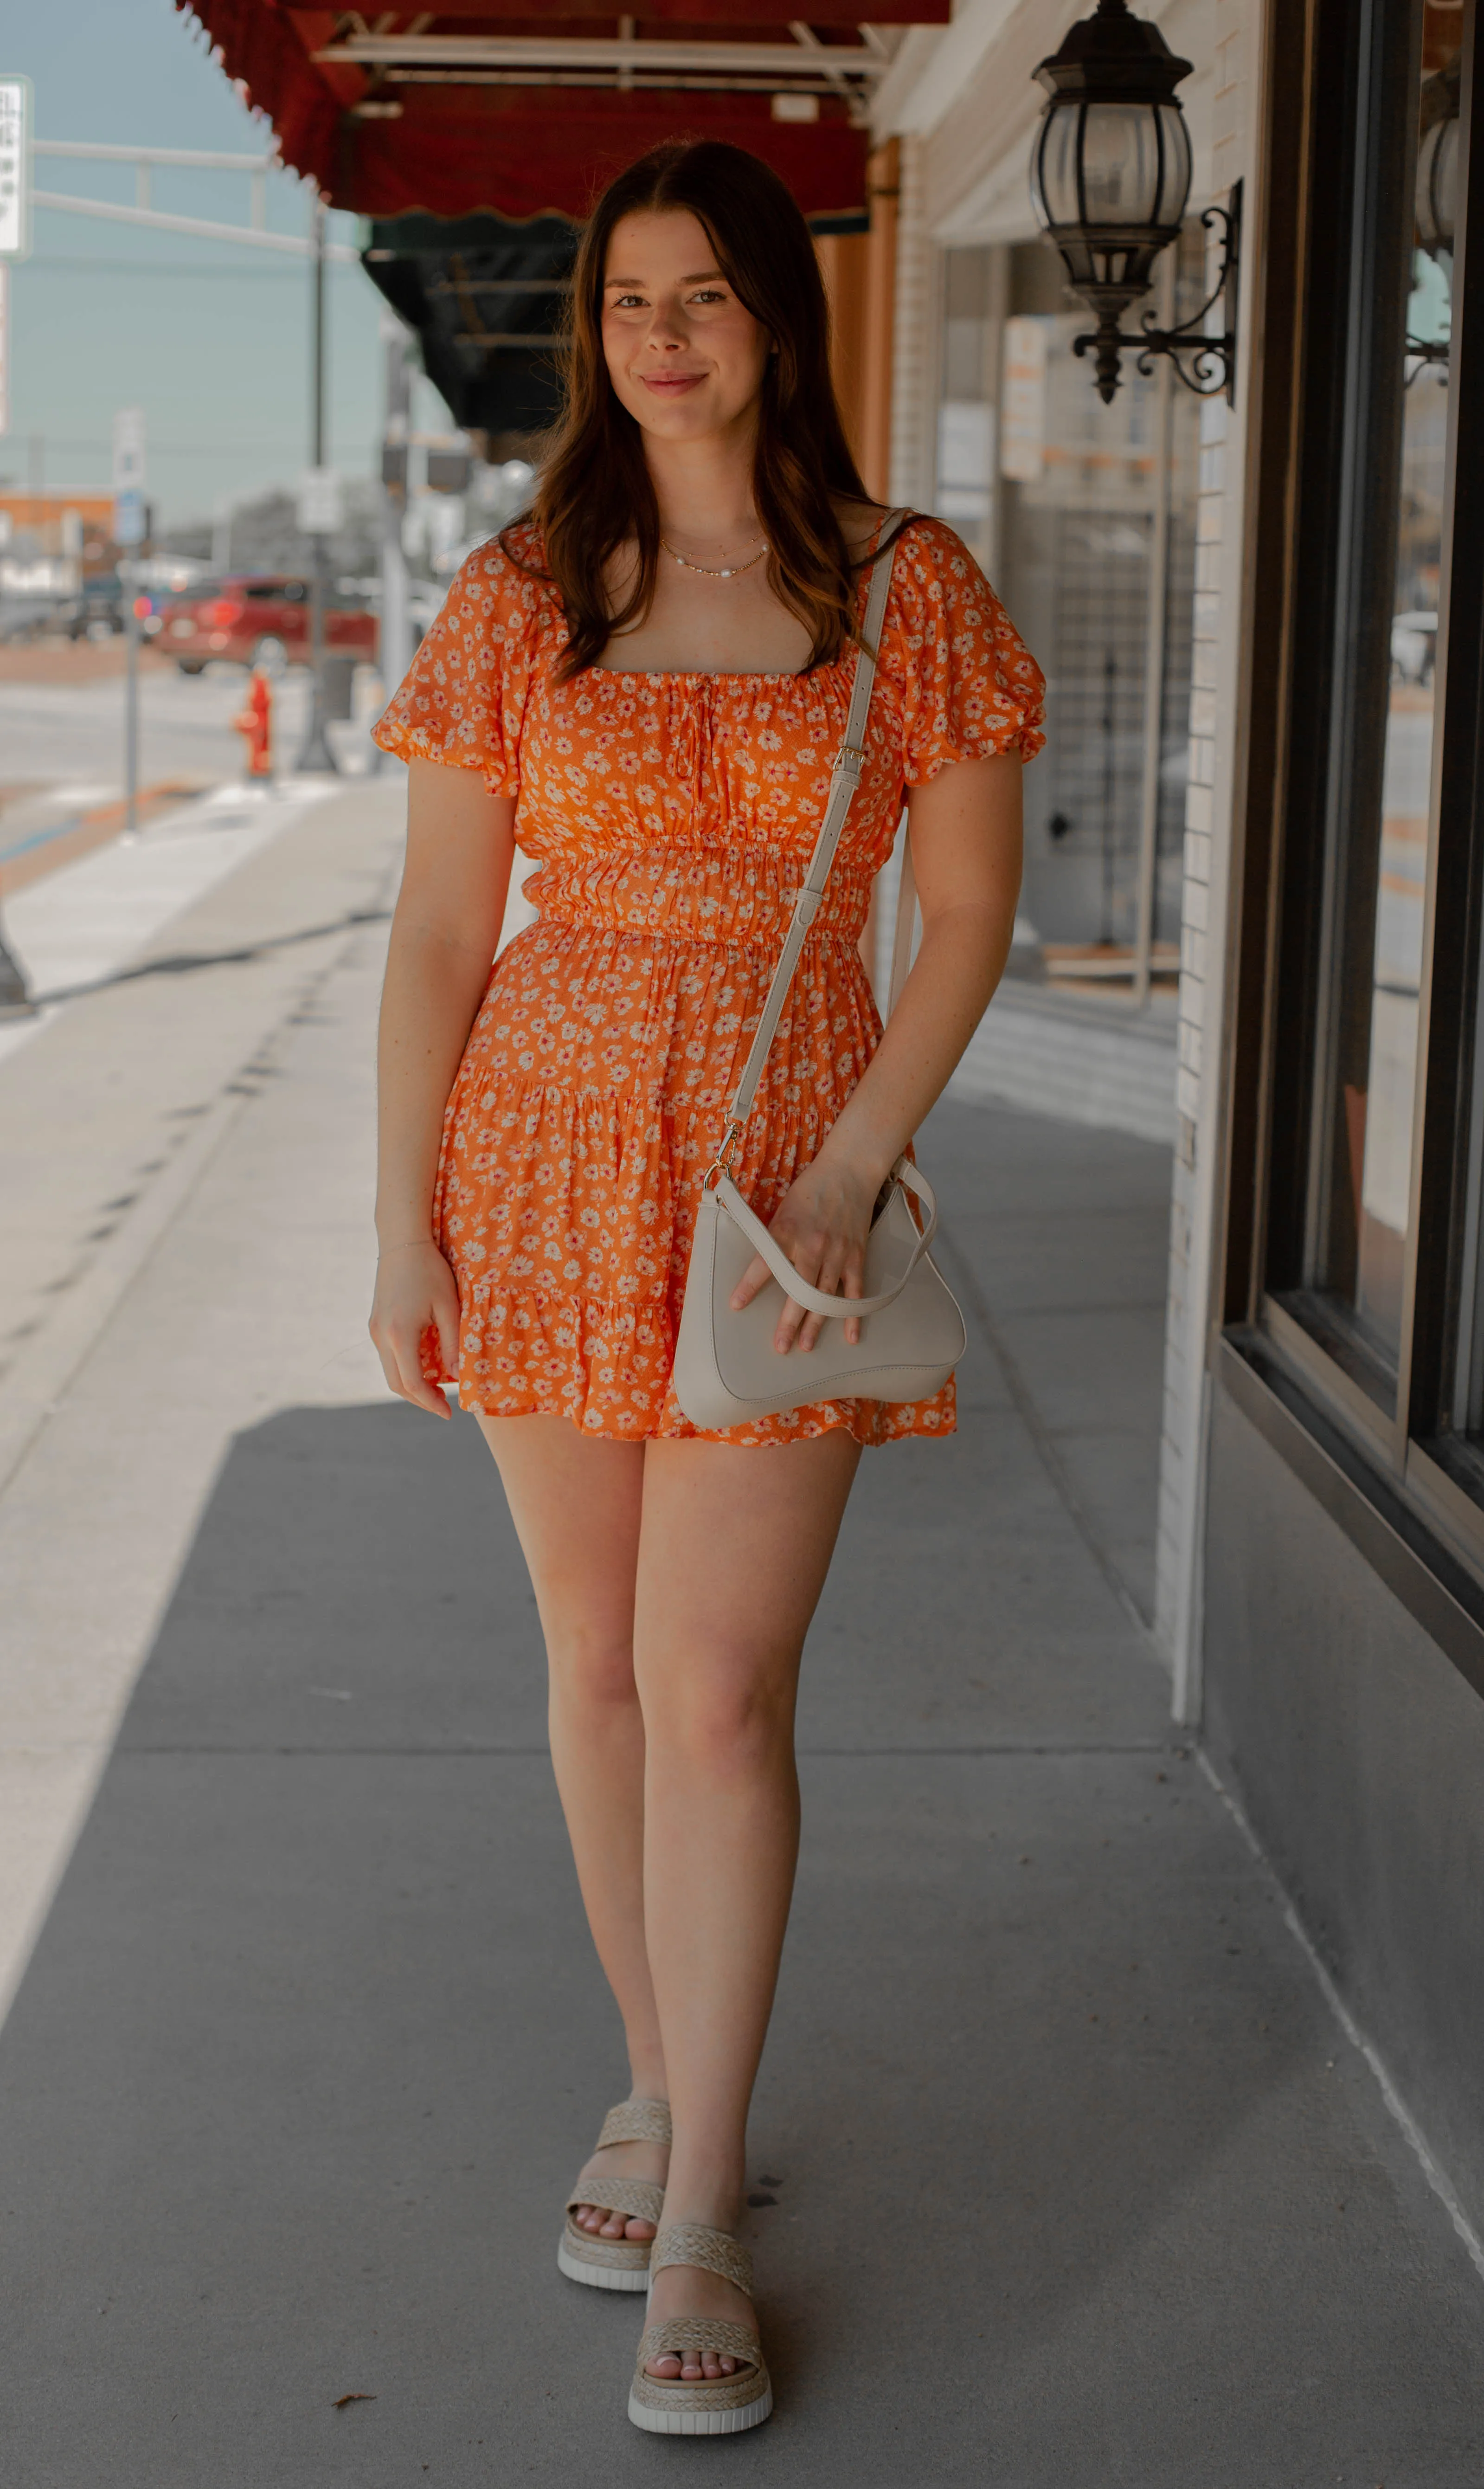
column 914, row 340
column 1206, row 875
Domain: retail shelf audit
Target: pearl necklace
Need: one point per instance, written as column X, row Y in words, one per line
column 734, row 572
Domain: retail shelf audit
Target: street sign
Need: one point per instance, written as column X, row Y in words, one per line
column 129, row 449
column 130, row 517
column 320, row 502
column 5, row 347
column 14, row 167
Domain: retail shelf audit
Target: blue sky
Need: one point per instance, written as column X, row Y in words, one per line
column 209, row 338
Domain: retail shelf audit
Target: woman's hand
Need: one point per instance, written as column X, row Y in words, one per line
column 415, row 1317
column 823, row 1223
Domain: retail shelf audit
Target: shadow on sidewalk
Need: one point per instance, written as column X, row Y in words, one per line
column 1059, row 2186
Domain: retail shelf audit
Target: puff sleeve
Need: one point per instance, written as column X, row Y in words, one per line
column 970, row 686
column 463, row 699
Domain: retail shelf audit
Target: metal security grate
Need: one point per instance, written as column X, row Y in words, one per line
column 1094, row 711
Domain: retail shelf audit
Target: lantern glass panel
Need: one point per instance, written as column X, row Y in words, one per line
column 1135, row 164
column 1122, row 165
column 1437, row 203
column 1054, row 167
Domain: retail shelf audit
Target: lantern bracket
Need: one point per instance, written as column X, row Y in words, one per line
column 1213, row 357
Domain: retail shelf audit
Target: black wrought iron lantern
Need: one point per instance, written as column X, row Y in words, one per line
column 1437, row 192
column 1110, row 175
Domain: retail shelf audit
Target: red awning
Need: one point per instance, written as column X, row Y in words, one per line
column 495, row 109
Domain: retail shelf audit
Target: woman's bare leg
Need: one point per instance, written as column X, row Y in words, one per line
column 576, row 1505
column 733, row 1550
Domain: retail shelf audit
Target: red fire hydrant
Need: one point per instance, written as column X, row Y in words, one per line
column 254, row 723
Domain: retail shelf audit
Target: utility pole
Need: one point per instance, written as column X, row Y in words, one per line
column 319, row 511
column 222, row 536
column 14, row 243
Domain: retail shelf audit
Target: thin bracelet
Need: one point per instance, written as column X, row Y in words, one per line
column 383, row 1251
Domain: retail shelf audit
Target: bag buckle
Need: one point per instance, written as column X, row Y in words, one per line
column 721, row 1165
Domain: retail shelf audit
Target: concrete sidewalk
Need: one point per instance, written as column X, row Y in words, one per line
column 1064, row 2175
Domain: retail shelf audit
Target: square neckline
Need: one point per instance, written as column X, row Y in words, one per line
column 735, row 674
column 717, row 675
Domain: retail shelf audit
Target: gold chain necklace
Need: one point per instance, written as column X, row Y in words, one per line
column 734, row 572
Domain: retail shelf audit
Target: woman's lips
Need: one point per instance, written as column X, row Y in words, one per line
column 671, row 383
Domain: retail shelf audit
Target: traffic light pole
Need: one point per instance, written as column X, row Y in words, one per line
column 316, row 754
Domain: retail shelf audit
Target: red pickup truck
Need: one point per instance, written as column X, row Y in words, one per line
column 262, row 621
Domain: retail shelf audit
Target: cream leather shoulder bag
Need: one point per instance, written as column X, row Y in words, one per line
column 727, row 1368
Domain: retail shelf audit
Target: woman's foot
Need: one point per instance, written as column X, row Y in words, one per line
column 686, row 2290
column 617, row 2160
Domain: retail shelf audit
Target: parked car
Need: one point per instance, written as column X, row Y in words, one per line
column 97, row 614
column 24, row 618
column 265, row 621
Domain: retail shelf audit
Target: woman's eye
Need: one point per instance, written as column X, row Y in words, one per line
column 709, row 293
column 628, row 302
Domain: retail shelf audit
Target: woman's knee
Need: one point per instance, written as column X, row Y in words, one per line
column 722, row 1716
column 590, row 1664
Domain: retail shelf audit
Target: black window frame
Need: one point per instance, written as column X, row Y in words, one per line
column 1312, row 284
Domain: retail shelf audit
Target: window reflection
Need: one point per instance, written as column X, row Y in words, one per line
column 1387, row 1109
column 1361, row 1232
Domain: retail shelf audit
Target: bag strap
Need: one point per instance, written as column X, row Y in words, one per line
column 844, row 778
column 813, row 1299
column 906, row 924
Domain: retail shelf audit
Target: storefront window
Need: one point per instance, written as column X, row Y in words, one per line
column 1096, row 546
column 1355, row 1274
column 1380, row 695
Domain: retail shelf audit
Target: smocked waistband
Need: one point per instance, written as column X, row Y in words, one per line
column 723, row 895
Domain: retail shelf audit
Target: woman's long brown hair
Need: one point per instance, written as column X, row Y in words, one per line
column 595, row 491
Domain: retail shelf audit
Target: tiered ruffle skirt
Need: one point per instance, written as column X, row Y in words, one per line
column 590, row 1101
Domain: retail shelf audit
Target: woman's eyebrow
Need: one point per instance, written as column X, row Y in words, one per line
column 704, row 276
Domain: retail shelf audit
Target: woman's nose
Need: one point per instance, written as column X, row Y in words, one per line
column 667, row 329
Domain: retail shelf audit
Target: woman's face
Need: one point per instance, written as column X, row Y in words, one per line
column 685, row 356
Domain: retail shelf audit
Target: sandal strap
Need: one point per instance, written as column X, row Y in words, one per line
column 636, row 2120
column 700, row 2333
column 712, row 2250
column 639, row 2199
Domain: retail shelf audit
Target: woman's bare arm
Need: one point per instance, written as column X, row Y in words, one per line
column 966, row 854
column 459, row 844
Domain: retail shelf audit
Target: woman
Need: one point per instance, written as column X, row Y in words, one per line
column 646, row 684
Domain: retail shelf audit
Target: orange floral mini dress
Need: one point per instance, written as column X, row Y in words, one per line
column 670, row 818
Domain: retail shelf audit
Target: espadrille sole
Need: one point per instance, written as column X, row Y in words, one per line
column 616, row 2264
column 699, row 2423
column 601, row 2276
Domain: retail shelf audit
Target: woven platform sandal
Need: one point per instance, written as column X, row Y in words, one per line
column 618, row 2264
column 672, row 2407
